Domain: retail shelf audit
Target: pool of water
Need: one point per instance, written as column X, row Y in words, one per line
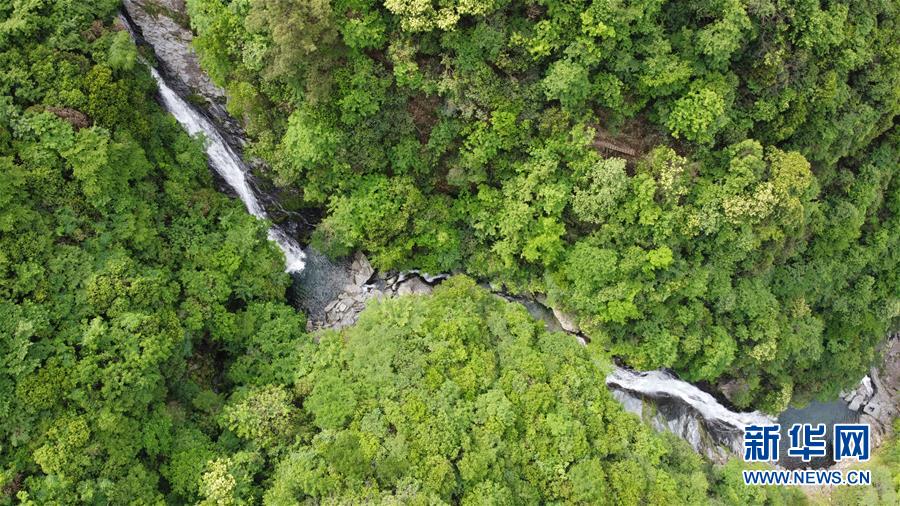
column 828, row 413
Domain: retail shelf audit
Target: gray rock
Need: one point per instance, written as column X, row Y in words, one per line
column 361, row 270
column 669, row 415
column 567, row 321
column 162, row 26
column 877, row 396
column 414, row 286
column 732, row 388
column 429, row 278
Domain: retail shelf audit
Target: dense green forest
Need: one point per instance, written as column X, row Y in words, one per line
column 886, row 470
column 147, row 353
column 709, row 186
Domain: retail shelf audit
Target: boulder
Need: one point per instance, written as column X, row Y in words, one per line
column 877, row 397
column 566, row 321
column 361, row 270
column 414, row 286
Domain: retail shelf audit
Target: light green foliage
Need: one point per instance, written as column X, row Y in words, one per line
column 569, row 83
column 885, row 488
column 461, row 396
column 263, row 415
column 122, row 52
column 697, row 116
column 146, row 354
column 121, row 268
column 661, row 279
column 600, row 191
column 423, row 15
column 297, row 30
column 463, row 136
column 729, row 488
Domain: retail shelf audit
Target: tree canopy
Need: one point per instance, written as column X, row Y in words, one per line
column 122, row 269
column 147, row 353
column 709, row 186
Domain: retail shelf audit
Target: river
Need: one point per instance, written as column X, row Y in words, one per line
column 658, row 397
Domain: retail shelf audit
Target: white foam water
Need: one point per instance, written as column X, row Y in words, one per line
column 229, row 165
column 656, row 384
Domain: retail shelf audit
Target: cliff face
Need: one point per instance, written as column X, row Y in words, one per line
column 877, row 397
column 164, row 26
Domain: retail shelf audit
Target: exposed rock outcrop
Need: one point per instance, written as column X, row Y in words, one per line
column 335, row 293
column 414, row 285
column 361, row 270
column 670, row 404
column 75, row 117
column 877, row 397
column 566, row 321
column 164, row 26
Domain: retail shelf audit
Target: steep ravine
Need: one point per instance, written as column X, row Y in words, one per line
column 333, row 294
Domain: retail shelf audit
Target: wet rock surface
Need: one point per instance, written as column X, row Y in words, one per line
column 669, row 404
column 163, row 25
column 334, row 293
column 671, row 415
column 566, row 321
column 877, row 397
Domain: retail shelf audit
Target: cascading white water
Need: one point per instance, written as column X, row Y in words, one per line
column 684, row 410
column 229, row 165
column 658, row 383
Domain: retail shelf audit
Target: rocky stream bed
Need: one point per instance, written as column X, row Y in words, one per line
column 333, row 293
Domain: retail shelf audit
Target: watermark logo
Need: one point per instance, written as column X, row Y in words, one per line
column 761, row 442
column 807, row 441
column 851, row 441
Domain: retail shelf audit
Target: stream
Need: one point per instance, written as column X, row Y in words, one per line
column 226, row 162
column 658, row 397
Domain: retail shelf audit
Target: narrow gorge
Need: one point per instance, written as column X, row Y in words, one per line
column 333, row 293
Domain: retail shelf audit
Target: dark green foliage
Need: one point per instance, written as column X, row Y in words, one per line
column 146, row 354
column 121, row 272
column 454, row 398
column 482, row 136
column 459, row 395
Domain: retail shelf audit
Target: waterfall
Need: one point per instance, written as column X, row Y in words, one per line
column 658, row 397
column 683, row 409
column 222, row 158
column 229, row 165
column 663, row 384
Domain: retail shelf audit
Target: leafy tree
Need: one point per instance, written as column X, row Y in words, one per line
column 514, row 140
column 461, row 396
